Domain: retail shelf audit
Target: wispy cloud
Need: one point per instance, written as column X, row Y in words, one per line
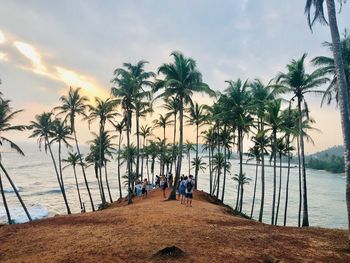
column 2, row 37
column 58, row 73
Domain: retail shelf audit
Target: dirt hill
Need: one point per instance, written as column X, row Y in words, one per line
column 154, row 230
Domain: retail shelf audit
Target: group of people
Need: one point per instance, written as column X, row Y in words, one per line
column 184, row 189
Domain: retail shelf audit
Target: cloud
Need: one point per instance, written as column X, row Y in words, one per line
column 58, row 73
column 2, row 37
column 3, row 57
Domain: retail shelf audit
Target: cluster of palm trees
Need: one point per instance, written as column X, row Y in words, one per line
column 245, row 111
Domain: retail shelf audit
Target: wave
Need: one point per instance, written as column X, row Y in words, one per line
column 10, row 190
column 30, row 165
column 52, row 191
column 18, row 215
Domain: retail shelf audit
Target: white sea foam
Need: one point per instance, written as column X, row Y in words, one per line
column 18, row 215
column 10, row 190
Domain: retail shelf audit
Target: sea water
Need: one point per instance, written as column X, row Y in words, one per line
column 35, row 178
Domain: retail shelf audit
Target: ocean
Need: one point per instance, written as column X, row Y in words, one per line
column 35, row 179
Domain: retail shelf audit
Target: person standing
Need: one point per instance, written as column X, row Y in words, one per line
column 144, row 188
column 182, row 189
column 189, row 190
column 163, row 184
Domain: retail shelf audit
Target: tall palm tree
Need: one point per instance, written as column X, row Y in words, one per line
column 60, row 134
column 328, row 67
column 261, row 95
column 172, row 105
column 241, row 179
column 42, row 128
column 73, row 160
column 298, row 82
column 120, row 128
column 181, row 80
column 6, row 116
column 208, row 145
column 162, row 122
column 239, row 103
column 343, row 95
column 145, row 131
column 189, row 146
column 74, row 105
column 274, row 119
column 131, row 81
column 219, row 164
column 196, row 117
column 254, row 153
column 103, row 111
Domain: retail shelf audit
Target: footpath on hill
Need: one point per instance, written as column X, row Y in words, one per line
column 205, row 232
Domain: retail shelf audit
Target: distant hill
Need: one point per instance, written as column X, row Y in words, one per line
column 331, row 160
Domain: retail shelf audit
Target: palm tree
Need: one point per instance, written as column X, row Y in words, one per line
column 196, row 117
column 343, row 95
column 162, row 122
column 145, row 131
column 6, row 116
column 172, row 105
column 254, row 153
column 42, row 128
column 241, row 179
column 189, row 146
column 103, row 111
column 74, row 105
column 219, row 164
column 182, row 79
column 261, row 95
column 73, row 160
column 131, row 81
column 119, row 127
column 274, row 120
column 327, row 66
column 298, row 82
column 153, row 150
column 208, row 145
column 239, row 103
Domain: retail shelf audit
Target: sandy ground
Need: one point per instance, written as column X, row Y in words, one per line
column 134, row 233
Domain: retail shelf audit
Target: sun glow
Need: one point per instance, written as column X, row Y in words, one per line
column 68, row 77
column 2, row 38
column 3, row 57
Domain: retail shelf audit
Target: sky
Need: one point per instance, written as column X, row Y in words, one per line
column 47, row 46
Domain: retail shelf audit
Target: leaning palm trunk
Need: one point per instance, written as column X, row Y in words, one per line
column 78, row 190
column 287, row 184
column 238, row 195
column 300, row 191
column 240, row 151
column 97, row 178
column 107, row 183
column 58, row 177
column 254, row 192
column 16, row 192
column 302, row 155
column 279, row 191
column 128, row 125
column 142, row 157
column 241, row 200
column 83, row 170
column 218, row 183
column 210, row 173
column 261, row 213
column 343, row 96
column 5, row 203
column 103, row 197
column 197, row 164
column 172, row 195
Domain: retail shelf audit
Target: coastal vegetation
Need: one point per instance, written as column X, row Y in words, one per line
column 272, row 118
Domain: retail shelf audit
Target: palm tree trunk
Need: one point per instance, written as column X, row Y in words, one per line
column 287, row 185
column 174, row 141
column 152, row 169
column 129, row 157
column 305, row 205
column 218, row 183
column 58, row 177
column 300, row 191
column 5, row 203
column 107, row 183
column 274, row 177
column 83, row 170
column 142, row 157
column 172, row 195
column 98, row 179
column 254, row 192
column 261, row 213
column 279, row 190
column 118, row 161
column 343, row 96
column 77, row 185
column 197, row 164
column 240, row 150
column 238, row 195
column 137, row 143
column 241, row 201
column 189, row 162
column 147, row 168
column 16, row 192
column 210, row 173
column 103, row 197
column 224, row 181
